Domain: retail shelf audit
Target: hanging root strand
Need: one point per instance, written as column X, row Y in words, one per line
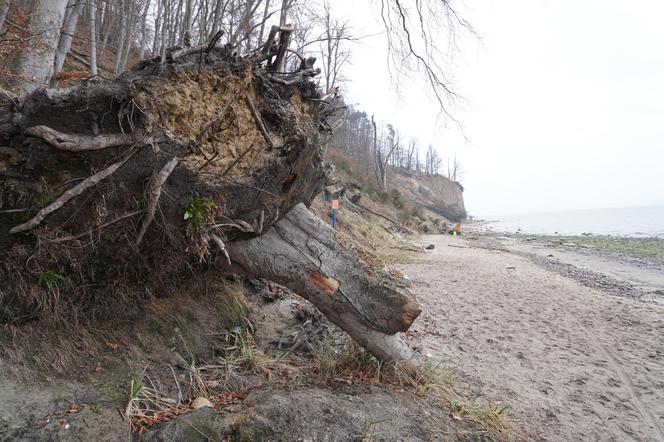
column 259, row 121
column 153, row 194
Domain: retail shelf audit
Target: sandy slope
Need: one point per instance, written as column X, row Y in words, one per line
column 571, row 362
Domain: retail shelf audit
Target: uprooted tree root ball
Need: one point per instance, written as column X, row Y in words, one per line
column 195, row 121
column 113, row 192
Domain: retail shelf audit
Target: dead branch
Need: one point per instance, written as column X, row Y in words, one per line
column 259, row 121
column 90, row 181
column 83, row 143
column 243, row 226
column 179, row 53
column 284, row 40
column 373, row 212
column 214, row 40
column 267, row 47
column 154, row 192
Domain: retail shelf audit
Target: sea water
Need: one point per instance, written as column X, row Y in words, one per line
column 646, row 221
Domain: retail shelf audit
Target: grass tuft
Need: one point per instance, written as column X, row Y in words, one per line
column 50, row 280
column 199, row 215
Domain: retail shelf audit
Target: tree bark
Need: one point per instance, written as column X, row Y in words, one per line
column 92, row 22
column 303, row 253
column 36, row 66
column 67, row 35
column 263, row 23
column 216, row 17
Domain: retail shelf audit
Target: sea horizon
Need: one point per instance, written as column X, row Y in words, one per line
column 634, row 221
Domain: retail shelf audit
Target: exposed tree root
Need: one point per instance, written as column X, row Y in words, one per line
column 153, row 194
column 83, row 143
column 71, row 193
column 221, row 246
column 259, row 121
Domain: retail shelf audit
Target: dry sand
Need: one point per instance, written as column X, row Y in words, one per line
column 572, row 363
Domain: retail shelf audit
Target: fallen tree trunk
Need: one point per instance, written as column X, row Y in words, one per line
column 113, row 191
column 303, row 253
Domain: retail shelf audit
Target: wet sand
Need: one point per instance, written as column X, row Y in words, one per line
column 570, row 361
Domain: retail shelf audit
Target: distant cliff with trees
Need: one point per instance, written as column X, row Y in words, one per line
column 388, row 163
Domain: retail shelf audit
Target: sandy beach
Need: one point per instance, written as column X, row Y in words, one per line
column 571, row 362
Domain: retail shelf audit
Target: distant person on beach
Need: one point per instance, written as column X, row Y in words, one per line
column 456, row 230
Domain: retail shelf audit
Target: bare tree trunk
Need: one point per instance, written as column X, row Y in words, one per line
column 164, row 26
column 285, row 5
column 36, row 66
column 175, row 25
column 4, row 9
column 231, row 18
column 186, row 29
column 156, row 48
column 218, row 12
column 92, row 21
column 283, row 17
column 203, row 18
column 106, row 25
column 266, row 11
column 130, row 34
column 144, row 34
column 123, row 36
column 67, row 35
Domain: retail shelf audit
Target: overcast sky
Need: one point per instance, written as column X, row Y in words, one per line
column 564, row 102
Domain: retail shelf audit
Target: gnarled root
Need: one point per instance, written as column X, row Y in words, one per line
column 153, row 194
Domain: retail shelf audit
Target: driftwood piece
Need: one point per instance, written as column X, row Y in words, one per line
column 302, row 253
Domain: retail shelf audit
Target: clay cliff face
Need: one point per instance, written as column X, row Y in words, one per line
column 434, row 192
